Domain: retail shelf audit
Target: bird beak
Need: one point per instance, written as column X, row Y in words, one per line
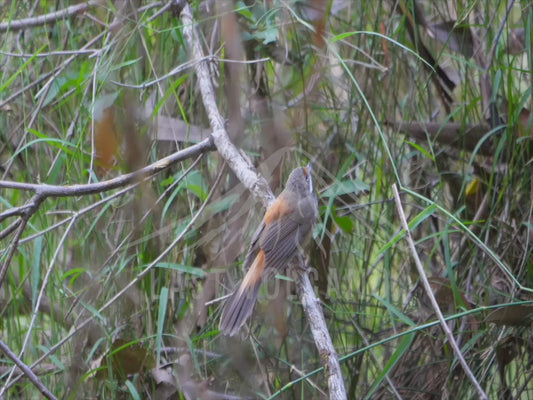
column 309, row 173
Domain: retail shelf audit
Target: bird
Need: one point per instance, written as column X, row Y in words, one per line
column 285, row 228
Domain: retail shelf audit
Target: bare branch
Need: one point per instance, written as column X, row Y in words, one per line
column 68, row 12
column 240, row 165
column 27, row 371
column 45, row 190
column 319, row 329
column 47, row 18
column 429, row 293
column 132, row 283
column 260, row 189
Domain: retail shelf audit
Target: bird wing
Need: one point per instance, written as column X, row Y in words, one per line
column 254, row 247
column 279, row 241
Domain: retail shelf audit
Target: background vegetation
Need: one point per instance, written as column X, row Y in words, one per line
column 434, row 97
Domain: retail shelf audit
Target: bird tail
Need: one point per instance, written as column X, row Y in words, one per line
column 240, row 305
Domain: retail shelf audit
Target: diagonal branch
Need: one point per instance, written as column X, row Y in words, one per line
column 114, row 183
column 42, row 191
column 240, row 165
column 260, row 189
column 27, row 371
column 432, row 299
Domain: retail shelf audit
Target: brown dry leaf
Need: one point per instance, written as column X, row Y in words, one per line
column 316, row 11
column 514, row 315
column 126, row 358
column 444, row 294
column 106, row 139
column 507, row 350
column 457, row 38
column 175, row 130
column 525, row 126
column 516, row 41
column 462, row 136
column 166, row 384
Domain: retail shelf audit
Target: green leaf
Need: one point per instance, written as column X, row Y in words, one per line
column 417, row 220
column 394, row 310
column 13, row 77
column 73, row 274
column 223, row 204
column 163, row 301
column 268, row 35
column 183, row 268
column 343, row 222
column 195, row 183
column 125, row 64
column 134, row 393
column 420, row 149
column 346, row 186
column 404, row 345
column 36, row 269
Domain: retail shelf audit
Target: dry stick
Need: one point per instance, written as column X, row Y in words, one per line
column 36, row 201
column 372, row 353
column 429, row 293
column 52, row 17
column 85, row 49
column 9, row 230
column 168, row 190
column 43, row 190
column 241, row 166
column 132, row 283
column 27, row 371
column 40, row 296
column 319, row 329
column 47, row 18
column 260, row 189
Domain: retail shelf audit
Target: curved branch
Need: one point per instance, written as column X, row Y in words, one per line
column 240, row 165
column 247, row 174
column 44, row 190
column 47, row 18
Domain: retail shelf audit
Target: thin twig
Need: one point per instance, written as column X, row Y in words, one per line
column 27, row 372
column 55, row 16
column 40, row 296
column 68, row 12
column 9, row 230
column 114, row 183
column 133, row 282
column 43, row 191
column 432, row 299
column 14, row 244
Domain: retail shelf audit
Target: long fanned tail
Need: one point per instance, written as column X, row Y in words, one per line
column 238, row 309
column 240, row 305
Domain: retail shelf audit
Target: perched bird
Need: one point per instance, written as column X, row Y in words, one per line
column 285, row 228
